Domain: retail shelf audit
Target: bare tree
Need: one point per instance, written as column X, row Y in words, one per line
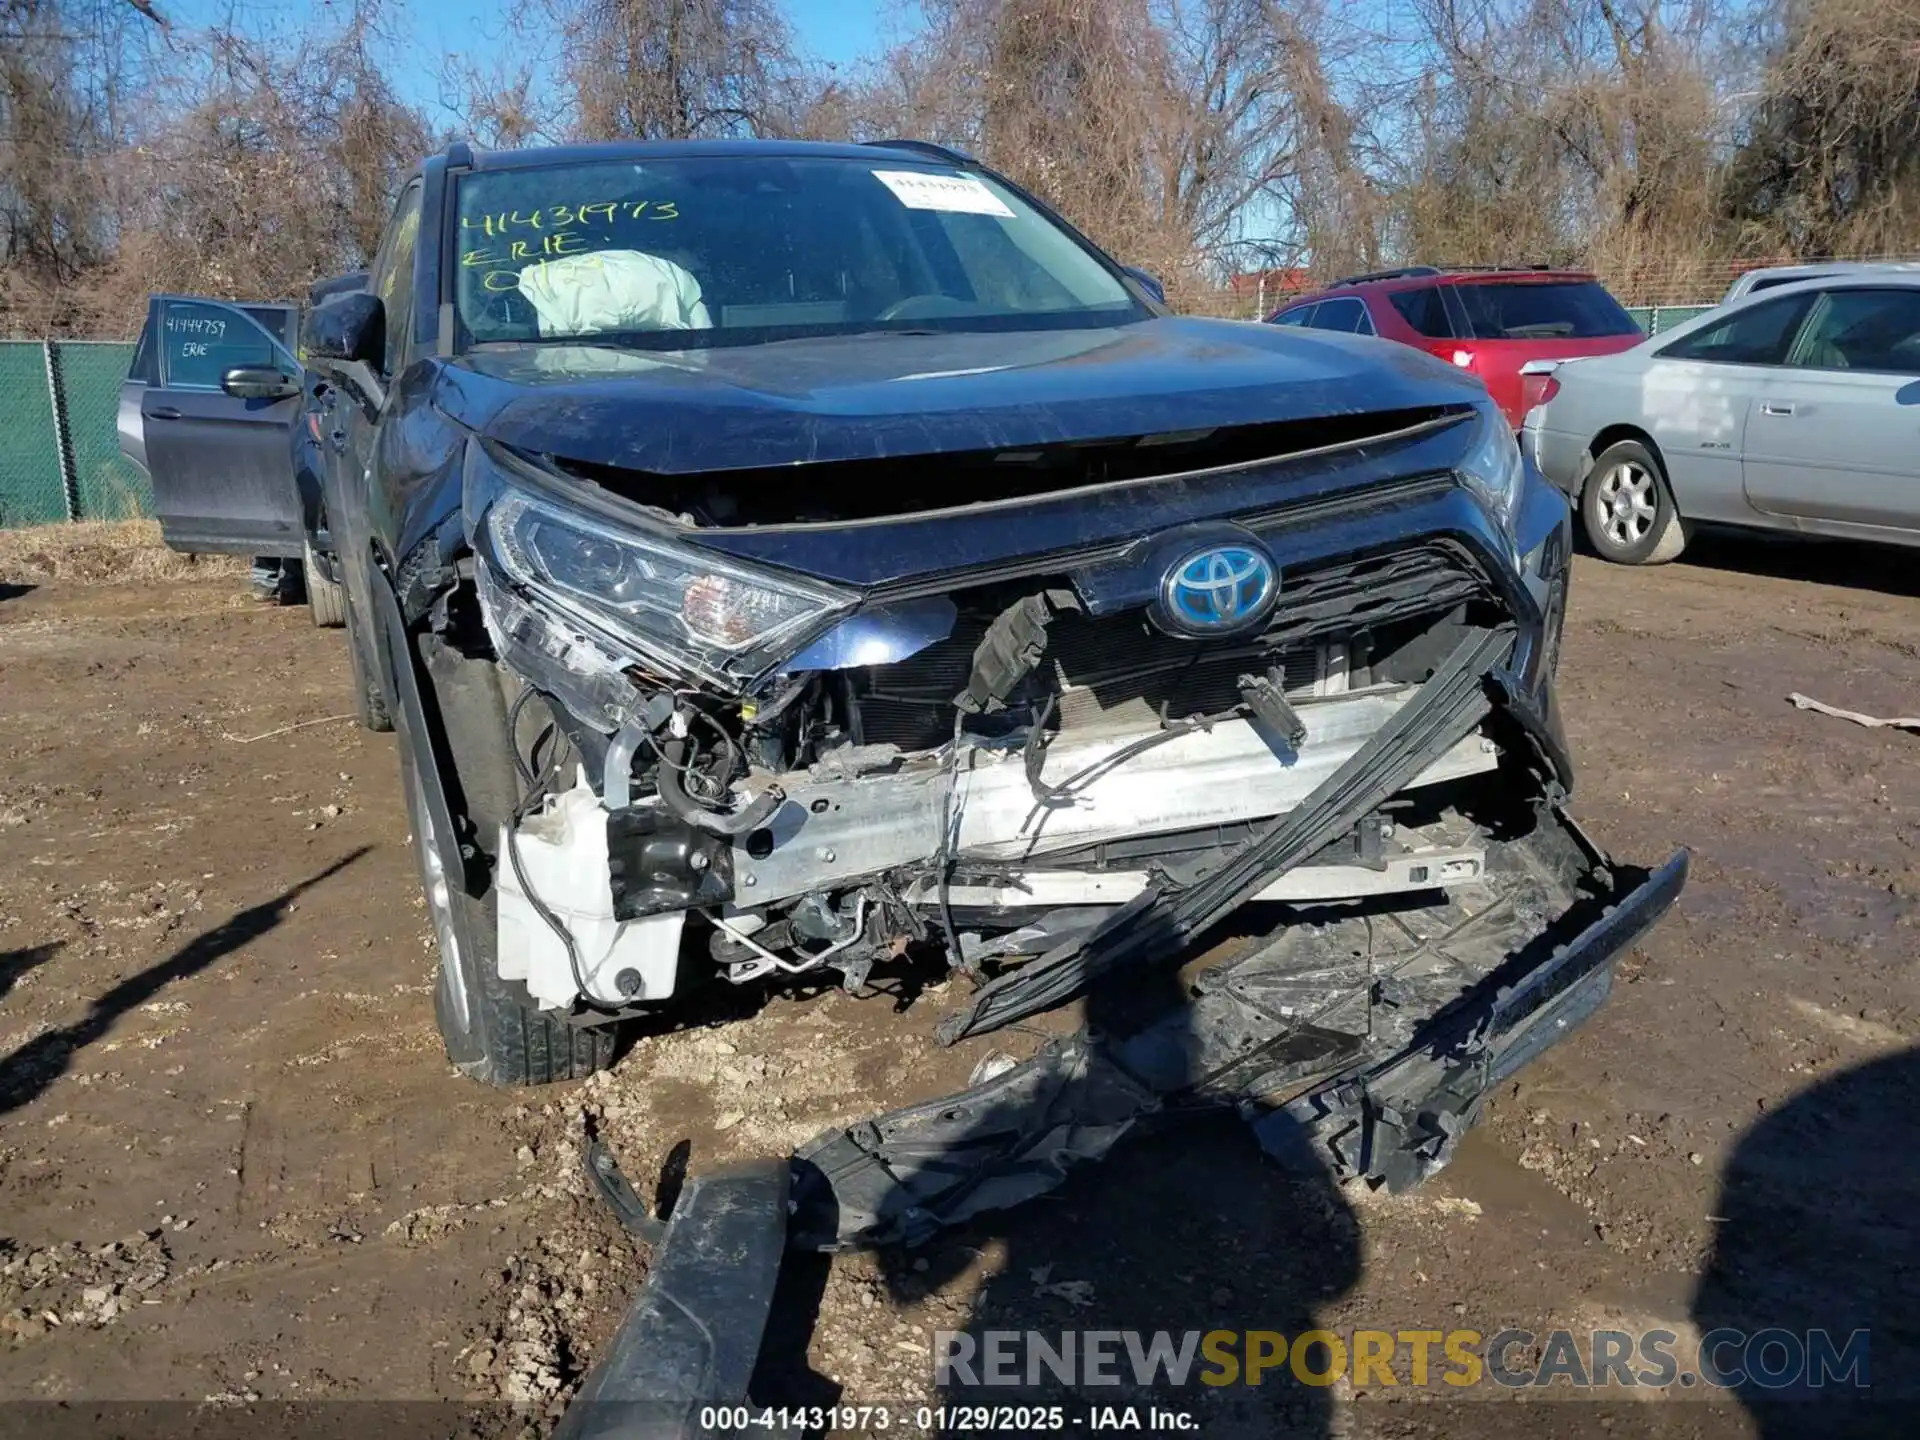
column 1257, row 128
column 1176, row 132
column 1830, row 158
column 1564, row 131
column 502, row 103
column 1652, row 139
column 280, row 167
column 672, row 69
column 64, row 66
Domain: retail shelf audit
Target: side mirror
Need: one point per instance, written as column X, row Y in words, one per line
column 258, row 382
column 1147, row 282
column 349, row 327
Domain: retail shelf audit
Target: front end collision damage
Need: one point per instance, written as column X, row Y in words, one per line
column 1379, row 688
column 1352, row 1036
column 844, row 851
column 845, row 847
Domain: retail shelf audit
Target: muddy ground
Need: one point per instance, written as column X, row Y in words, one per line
column 236, row 1169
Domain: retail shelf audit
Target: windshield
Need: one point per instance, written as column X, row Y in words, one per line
column 1542, row 310
column 732, row 249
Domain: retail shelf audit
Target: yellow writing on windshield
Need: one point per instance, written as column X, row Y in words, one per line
column 494, row 259
column 567, row 217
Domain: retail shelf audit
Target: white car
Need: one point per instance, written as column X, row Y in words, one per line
column 1796, row 409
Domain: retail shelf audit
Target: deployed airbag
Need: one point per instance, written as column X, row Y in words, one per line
column 613, row 290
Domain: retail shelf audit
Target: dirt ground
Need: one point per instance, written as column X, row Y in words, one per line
column 236, row 1169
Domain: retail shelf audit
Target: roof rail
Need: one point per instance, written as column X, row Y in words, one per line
column 1404, row 272
column 1535, row 267
column 927, row 148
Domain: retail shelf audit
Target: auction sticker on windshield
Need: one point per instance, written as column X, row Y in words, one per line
column 964, row 194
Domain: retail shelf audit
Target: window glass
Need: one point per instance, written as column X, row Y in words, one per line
column 1009, row 268
column 679, row 252
column 1425, row 310
column 1756, row 335
column 203, row 340
column 1862, row 330
column 1774, row 282
column 143, row 367
column 1347, row 315
column 1297, row 317
column 1541, row 310
column 392, row 278
column 276, row 320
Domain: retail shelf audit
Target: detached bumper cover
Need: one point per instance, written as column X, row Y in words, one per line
column 902, row 1177
column 692, row 1337
column 1398, row 1125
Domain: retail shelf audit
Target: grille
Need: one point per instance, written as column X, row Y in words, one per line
column 1119, row 671
column 1112, row 672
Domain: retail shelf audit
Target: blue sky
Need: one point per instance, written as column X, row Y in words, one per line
column 833, row 30
column 836, row 31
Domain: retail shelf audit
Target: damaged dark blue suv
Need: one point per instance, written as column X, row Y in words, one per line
column 820, row 560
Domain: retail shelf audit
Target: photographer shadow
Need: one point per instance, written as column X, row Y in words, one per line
column 1184, row 1227
column 1818, row 1230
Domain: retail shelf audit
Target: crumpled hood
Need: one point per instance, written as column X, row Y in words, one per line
column 866, row 397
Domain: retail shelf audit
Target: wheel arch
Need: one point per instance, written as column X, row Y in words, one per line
column 457, row 725
column 1614, row 434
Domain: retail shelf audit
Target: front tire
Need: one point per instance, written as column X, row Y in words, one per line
column 492, row 1028
column 326, row 599
column 1627, row 508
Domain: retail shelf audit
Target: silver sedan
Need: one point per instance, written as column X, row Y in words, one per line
column 1797, row 409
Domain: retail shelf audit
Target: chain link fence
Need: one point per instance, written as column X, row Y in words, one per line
column 59, row 446
column 32, row 485
column 1655, row 318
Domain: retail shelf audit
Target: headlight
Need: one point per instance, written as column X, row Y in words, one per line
column 1493, row 469
column 675, row 606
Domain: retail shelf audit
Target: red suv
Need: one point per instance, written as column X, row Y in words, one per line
column 1488, row 321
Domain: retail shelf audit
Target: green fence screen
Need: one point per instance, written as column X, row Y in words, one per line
column 110, row 486
column 1655, row 318
column 32, row 490
column 47, row 475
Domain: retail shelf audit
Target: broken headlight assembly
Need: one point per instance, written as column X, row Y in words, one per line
column 1493, row 469
column 679, row 609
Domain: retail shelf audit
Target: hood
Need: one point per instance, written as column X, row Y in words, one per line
column 868, row 397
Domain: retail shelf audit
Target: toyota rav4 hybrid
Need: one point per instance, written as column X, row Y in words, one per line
column 796, row 563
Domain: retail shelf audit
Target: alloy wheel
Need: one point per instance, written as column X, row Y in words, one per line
column 1628, row 503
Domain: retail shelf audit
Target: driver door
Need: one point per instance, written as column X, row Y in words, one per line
column 221, row 465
